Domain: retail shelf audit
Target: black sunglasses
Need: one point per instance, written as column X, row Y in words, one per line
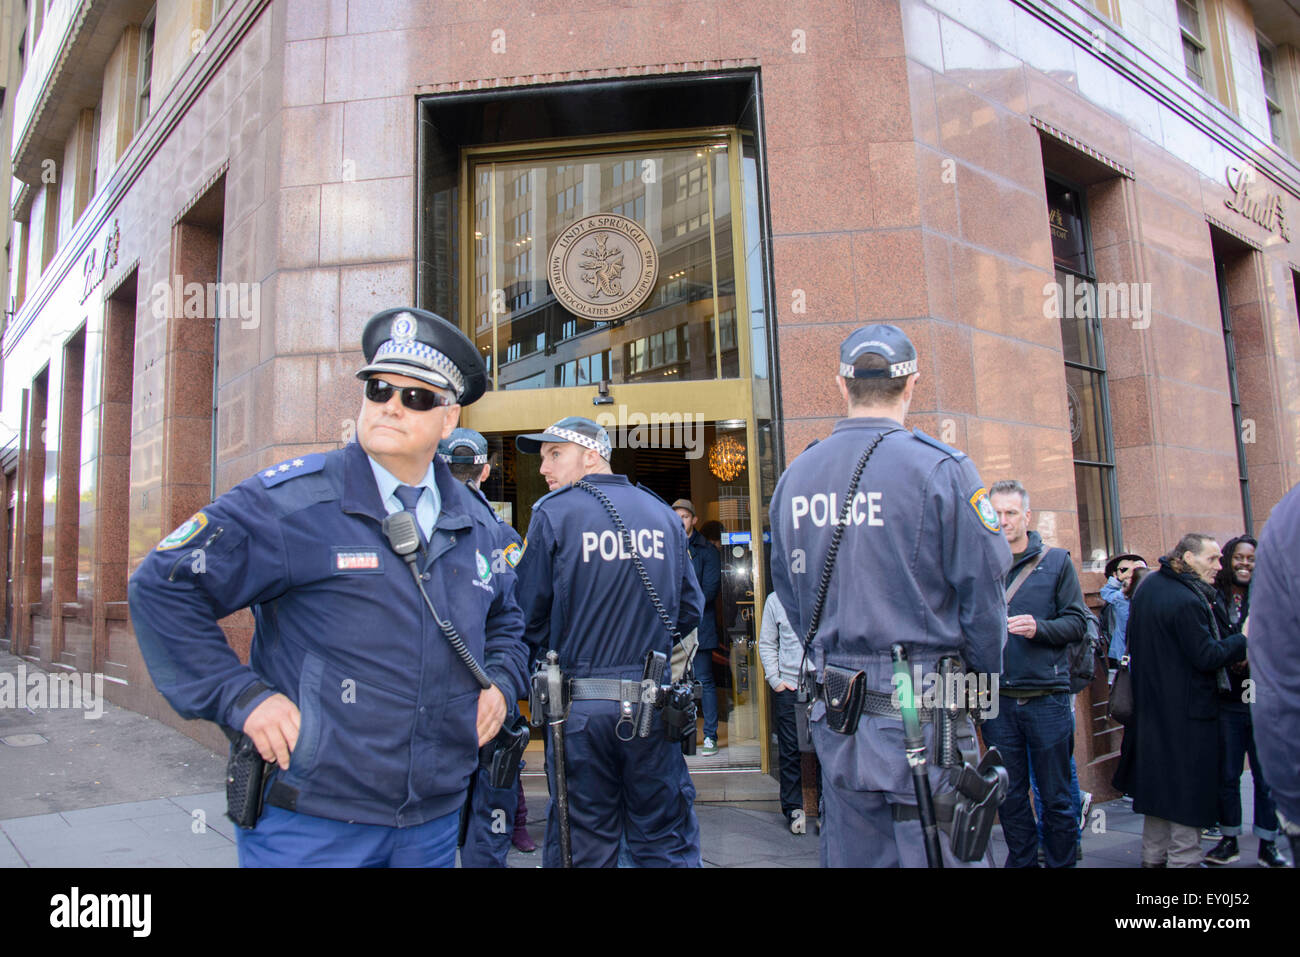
column 413, row 397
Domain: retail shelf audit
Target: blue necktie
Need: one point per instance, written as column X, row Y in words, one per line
column 409, row 497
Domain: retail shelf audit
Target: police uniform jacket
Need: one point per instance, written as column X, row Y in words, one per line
column 1274, row 627
column 580, row 590
column 921, row 560
column 388, row 711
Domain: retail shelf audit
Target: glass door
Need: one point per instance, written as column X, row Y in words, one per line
column 602, row 278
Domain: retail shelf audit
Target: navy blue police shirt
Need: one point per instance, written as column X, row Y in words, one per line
column 579, row 587
column 388, row 711
column 921, row 560
column 1274, row 626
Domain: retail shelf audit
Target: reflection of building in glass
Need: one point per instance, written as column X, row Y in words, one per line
column 672, row 336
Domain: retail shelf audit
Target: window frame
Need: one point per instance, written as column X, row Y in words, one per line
column 1111, row 522
column 144, row 77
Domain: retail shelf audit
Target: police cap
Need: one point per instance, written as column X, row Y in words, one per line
column 464, row 447
column 420, row 344
column 575, row 429
column 888, row 342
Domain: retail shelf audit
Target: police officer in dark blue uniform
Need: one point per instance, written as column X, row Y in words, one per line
column 920, row 562
column 352, row 688
column 492, row 811
column 583, row 597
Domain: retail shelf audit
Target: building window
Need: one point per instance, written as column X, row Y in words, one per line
column 1087, row 394
column 145, row 75
column 1195, row 55
column 1276, row 124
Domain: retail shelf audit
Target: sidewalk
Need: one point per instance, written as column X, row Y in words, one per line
column 122, row 790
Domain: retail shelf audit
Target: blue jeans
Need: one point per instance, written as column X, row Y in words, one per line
column 1038, row 733
column 1236, row 740
column 287, row 839
column 709, row 702
column 1075, row 796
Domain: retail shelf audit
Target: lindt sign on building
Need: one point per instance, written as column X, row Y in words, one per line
column 1269, row 212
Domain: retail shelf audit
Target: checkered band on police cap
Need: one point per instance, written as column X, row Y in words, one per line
column 888, row 342
column 573, row 429
column 464, row 447
column 422, row 345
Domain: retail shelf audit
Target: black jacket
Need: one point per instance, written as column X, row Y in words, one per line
column 1170, row 759
column 1052, row 595
column 1235, row 698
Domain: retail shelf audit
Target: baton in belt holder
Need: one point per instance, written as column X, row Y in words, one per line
column 550, row 702
column 914, row 743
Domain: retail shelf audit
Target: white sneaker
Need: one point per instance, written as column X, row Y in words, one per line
column 708, row 747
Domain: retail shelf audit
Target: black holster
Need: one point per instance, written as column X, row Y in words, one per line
column 501, row 755
column 844, row 692
column 246, row 774
column 979, row 792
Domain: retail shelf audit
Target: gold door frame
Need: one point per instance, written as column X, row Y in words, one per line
column 718, row 399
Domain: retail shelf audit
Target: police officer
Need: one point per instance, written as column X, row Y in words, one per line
column 920, row 562
column 352, row 688
column 491, row 812
column 584, row 598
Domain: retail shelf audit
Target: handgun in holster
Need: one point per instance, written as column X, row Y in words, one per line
column 501, row 755
column 979, row 792
column 246, row 775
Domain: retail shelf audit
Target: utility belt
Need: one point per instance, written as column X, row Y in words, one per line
column 676, row 701
column 844, row 692
column 967, row 812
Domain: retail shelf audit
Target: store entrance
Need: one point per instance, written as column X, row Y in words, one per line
column 706, row 461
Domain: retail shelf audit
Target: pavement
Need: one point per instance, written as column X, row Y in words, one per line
column 122, row 790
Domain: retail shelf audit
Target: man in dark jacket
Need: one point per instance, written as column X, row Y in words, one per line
column 708, row 569
column 1170, row 762
column 1034, row 726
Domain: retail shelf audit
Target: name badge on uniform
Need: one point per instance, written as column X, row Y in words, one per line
column 354, row 560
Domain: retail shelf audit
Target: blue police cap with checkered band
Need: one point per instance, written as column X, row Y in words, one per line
column 422, row 345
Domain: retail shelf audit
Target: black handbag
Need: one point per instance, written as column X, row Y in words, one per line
column 1121, row 694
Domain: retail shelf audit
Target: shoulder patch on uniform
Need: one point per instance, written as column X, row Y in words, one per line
column 931, row 440
column 512, row 553
column 979, row 501
column 185, row 532
column 292, row 468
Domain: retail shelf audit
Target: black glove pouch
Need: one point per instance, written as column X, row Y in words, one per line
column 844, row 693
